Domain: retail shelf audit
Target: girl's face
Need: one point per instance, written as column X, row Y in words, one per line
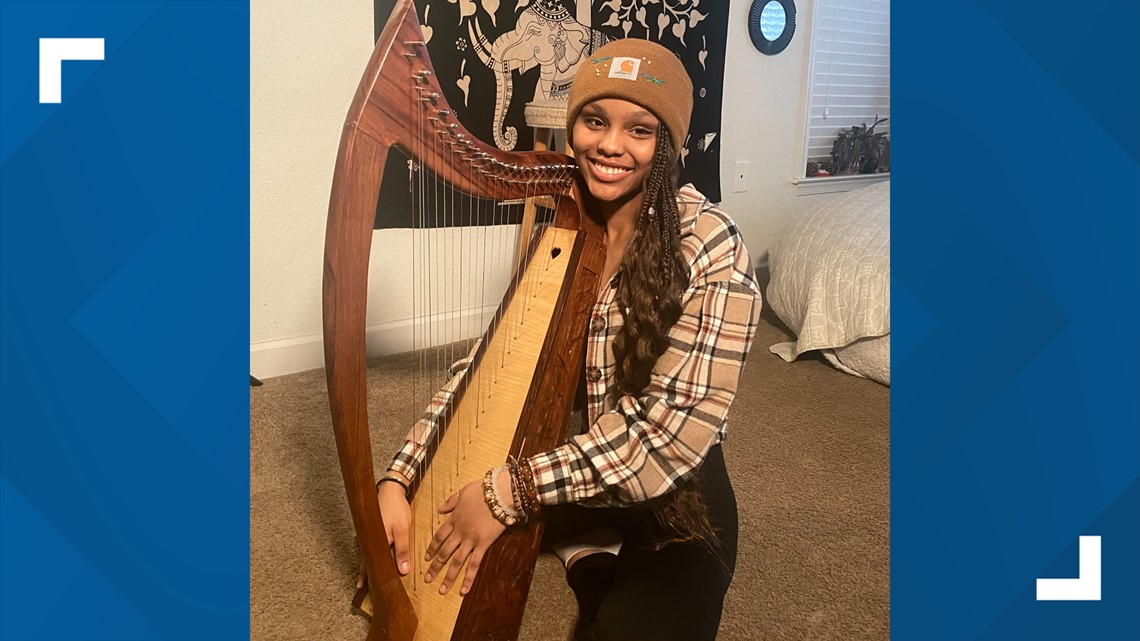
column 614, row 141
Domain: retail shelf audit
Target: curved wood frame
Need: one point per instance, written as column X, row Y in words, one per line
column 390, row 95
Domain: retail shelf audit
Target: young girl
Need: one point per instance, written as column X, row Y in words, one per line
column 639, row 507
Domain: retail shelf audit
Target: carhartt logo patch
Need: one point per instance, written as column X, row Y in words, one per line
column 624, row 68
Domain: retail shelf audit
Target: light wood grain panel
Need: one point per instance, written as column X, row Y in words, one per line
column 484, row 422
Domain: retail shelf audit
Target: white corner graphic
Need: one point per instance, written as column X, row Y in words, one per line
column 53, row 51
column 1086, row 587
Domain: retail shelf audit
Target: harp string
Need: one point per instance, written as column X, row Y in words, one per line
column 457, row 238
column 457, row 284
column 481, row 300
column 440, row 294
column 533, row 182
column 425, row 273
column 418, row 339
column 523, row 245
column 517, row 177
column 447, row 255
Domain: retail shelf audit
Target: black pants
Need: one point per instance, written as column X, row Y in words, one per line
column 675, row 593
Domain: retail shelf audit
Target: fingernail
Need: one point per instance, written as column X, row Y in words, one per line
column 463, row 590
column 404, row 567
column 427, row 578
column 443, row 589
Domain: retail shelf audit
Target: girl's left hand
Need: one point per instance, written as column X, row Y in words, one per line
column 465, row 536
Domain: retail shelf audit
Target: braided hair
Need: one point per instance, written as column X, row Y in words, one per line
column 654, row 277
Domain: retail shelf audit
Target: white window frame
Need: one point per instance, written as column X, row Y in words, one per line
column 829, row 184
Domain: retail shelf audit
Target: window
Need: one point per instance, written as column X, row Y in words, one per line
column 850, row 82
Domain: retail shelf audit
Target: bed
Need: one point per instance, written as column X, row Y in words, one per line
column 831, row 282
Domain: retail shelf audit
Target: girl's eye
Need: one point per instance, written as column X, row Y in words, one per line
column 593, row 121
column 642, row 131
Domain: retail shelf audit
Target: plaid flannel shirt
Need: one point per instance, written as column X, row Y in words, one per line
column 643, row 446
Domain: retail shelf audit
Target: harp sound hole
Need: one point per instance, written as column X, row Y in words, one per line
column 554, row 252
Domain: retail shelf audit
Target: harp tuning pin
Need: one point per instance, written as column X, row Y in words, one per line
column 445, row 112
column 453, row 125
column 414, row 43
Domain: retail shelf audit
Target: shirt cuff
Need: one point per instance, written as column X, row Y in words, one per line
column 560, row 475
column 407, row 460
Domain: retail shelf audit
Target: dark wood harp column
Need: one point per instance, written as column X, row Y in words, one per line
column 391, row 95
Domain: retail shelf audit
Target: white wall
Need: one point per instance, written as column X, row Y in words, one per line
column 763, row 120
column 306, row 59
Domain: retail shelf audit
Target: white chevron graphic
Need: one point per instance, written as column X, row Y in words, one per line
column 53, row 51
column 1086, row 587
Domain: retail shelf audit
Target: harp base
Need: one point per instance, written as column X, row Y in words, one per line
column 362, row 600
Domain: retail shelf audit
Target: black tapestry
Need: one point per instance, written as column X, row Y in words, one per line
column 494, row 56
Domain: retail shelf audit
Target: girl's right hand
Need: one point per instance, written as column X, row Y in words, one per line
column 397, row 515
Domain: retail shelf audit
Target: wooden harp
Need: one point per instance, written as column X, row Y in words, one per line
column 525, row 367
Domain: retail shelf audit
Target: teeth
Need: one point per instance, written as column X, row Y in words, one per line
column 611, row 171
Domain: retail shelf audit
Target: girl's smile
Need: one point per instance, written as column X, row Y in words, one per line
column 614, row 141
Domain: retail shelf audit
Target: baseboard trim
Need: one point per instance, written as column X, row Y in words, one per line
column 286, row 356
column 268, row 359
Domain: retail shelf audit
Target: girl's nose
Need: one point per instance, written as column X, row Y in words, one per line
column 610, row 143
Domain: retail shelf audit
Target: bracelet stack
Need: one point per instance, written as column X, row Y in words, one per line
column 523, row 494
column 502, row 513
column 523, row 489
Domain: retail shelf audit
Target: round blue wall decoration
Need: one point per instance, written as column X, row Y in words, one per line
column 771, row 24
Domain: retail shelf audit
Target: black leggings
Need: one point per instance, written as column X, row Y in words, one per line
column 675, row 593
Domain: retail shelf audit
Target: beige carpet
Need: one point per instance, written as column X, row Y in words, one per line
column 808, row 452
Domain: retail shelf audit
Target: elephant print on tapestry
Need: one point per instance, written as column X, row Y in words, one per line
column 494, row 56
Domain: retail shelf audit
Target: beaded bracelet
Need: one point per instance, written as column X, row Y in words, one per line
column 519, row 505
column 490, row 495
column 518, row 491
column 527, row 488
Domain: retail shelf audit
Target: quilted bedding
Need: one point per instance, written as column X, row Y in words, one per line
column 831, row 282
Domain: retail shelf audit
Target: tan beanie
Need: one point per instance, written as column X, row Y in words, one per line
column 641, row 72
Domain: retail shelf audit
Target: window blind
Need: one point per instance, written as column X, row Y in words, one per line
column 850, row 71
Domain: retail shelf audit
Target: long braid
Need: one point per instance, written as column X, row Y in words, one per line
column 654, row 277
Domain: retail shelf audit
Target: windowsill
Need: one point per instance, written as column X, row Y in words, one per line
column 831, row 184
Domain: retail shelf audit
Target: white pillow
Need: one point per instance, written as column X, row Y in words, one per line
column 831, row 272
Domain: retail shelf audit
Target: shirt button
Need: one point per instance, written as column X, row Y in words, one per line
column 593, row 374
column 597, row 324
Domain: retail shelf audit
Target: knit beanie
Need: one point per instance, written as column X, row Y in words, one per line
column 641, row 72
